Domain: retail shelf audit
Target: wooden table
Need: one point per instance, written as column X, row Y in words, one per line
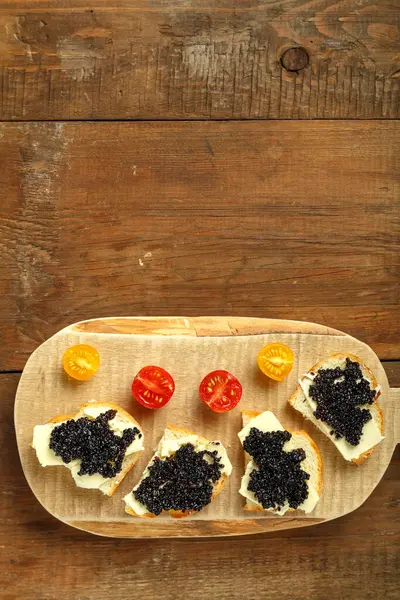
column 247, row 163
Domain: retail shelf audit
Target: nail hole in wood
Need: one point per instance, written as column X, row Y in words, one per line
column 294, row 59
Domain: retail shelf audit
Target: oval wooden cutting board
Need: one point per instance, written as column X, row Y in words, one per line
column 189, row 348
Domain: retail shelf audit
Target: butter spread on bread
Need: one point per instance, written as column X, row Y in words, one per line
column 339, row 396
column 284, row 469
column 106, row 427
column 185, row 474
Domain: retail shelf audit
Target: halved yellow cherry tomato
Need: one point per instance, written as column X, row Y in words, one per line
column 81, row 362
column 275, row 361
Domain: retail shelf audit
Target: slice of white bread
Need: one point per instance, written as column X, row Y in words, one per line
column 312, row 464
column 372, row 430
column 122, row 420
column 173, row 438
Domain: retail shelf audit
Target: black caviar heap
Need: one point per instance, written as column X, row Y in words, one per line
column 279, row 478
column 339, row 393
column 182, row 481
column 91, row 440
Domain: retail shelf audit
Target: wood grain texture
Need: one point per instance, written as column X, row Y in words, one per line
column 281, row 219
column 44, row 391
column 198, row 326
column 330, row 560
column 392, row 369
column 203, row 59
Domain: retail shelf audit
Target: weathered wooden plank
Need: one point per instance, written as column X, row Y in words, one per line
column 355, row 556
column 279, row 219
column 392, row 369
column 207, row 59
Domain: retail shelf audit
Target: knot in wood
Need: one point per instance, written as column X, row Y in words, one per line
column 294, row 59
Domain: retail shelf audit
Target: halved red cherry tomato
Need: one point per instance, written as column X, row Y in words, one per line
column 221, row 391
column 153, row 387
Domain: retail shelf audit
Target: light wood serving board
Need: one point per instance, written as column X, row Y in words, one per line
column 189, row 348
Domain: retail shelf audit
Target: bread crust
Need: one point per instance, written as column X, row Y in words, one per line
column 318, row 455
column 367, row 453
column 251, row 414
column 129, row 461
column 182, row 432
column 364, row 369
column 179, row 514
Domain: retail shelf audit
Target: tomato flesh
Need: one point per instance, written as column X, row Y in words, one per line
column 276, row 361
column 81, row 361
column 221, row 391
column 153, row 387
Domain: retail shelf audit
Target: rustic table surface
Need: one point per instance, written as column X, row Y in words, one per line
column 198, row 157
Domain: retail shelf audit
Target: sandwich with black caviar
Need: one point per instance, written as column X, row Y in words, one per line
column 339, row 395
column 185, row 474
column 283, row 469
column 99, row 445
